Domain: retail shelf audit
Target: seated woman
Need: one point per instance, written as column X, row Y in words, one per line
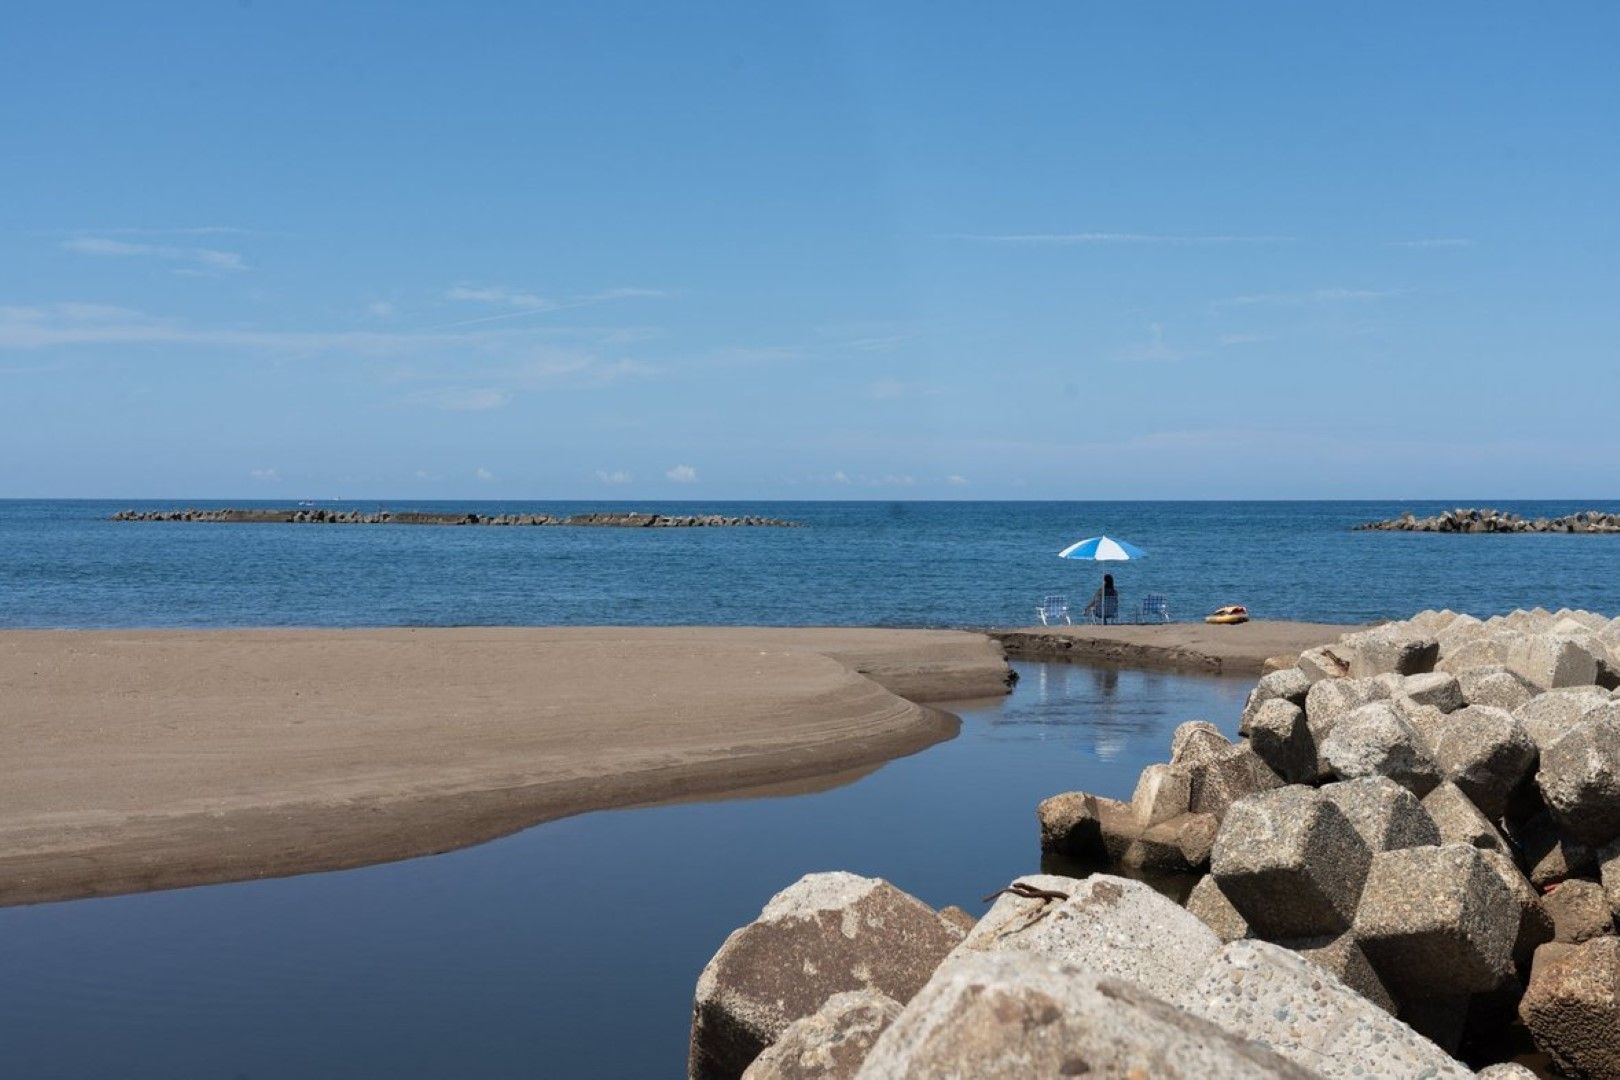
column 1104, row 603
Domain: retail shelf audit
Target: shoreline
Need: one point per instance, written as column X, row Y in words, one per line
column 156, row 759
column 1240, row 650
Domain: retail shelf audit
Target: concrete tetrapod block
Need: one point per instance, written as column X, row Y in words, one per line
column 1228, row 777
column 1547, row 856
column 1608, row 863
column 1495, row 686
column 1459, row 630
column 1197, row 741
column 998, row 1017
column 1390, row 650
column 1572, row 1006
column 1162, row 792
column 1427, row 721
column 1535, row 923
column 830, row 1043
column 1281, row 738
column 1437, row 921
column 1111, row 926
column 1074, row 823
column 1101, row 830
column 1331, row 699
column 1440, row 689
column 826, row 934
column 1323, row 663
column 1486, row 753
column 1460, row 821
column 1386, row 815
column 1489, row 650
column 1267, row 993
column 1215, row 911
column 1580, row 780
column 1291, row 862
column 1552, row 660
column 1342, row 958
column 1181, row 845
column 1579, row 910
column 1290, row 684
column 1430, row 621
column 1373, row 740
column 1548, row 717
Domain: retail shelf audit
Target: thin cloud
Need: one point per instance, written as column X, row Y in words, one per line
column 1084, row 239
column 68, row 324
column 461, row 371
column 265, row 475
column 629, row 292
column 1310, row 296
column 617, row 476
column 193, row 230
column 1435, row 242
column 884, row 343
column 751, row 356
column 1154, row 350
column 956, row 481
column 483, row 474
column 460, row 399
column 896, row 389
column 210, row 259
column 682, row 474
column 525, row 303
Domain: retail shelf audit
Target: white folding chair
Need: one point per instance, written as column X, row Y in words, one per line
column 1053, row 608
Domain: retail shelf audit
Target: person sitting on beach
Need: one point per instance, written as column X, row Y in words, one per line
column 1104, row 603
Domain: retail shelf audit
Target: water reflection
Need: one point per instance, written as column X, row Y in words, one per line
column 1114, row 708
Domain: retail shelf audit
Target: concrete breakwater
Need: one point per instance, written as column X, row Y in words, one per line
column 1407, row 865
column 1465, row 520
column 310, row 516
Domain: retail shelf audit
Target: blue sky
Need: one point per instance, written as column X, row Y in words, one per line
column 712, row 251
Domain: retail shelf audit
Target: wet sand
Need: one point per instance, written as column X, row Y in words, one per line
column 1218, row 650
column 150, row 759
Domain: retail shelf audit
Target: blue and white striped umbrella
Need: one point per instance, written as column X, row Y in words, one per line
column 1102, row 549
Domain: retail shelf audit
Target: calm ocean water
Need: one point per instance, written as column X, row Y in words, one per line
column 63, row 564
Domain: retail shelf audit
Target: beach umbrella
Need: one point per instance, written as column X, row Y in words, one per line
column 1102, row 549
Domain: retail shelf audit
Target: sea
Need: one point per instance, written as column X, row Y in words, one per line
column 931, row 564
column 571, row 949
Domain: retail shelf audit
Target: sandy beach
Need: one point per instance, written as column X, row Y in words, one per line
column 1218, row 650
column 154, row 759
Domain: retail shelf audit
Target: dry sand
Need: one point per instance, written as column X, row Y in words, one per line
column 152, row 759
column 1219, row 650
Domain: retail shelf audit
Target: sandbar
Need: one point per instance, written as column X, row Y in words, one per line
column 150, row 759
column 1217, row 650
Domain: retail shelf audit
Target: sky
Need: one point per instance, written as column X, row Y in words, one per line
column 809, row 251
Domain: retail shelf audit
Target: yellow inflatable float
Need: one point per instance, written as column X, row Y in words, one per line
column 1228, row 616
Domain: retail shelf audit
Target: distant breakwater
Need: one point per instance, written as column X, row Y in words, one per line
column 313, row 516
column 1465, row 520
